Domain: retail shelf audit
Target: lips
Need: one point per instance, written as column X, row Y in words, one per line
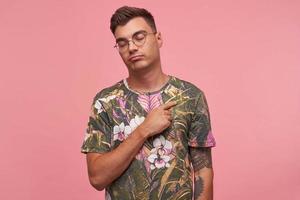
column 135, row 58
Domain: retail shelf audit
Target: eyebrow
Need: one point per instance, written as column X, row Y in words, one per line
column 123, row 38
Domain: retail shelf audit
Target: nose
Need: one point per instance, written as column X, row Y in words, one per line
column 131, row 46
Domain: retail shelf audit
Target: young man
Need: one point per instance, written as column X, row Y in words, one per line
column 146, row 131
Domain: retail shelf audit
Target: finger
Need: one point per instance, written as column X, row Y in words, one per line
column 168, row 115
column 169, row 118
column 169, row 105
column 167, row 112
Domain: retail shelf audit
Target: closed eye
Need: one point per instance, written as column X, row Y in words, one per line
column 139, row 36
column 122, row 43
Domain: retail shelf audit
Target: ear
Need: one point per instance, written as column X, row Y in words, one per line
column 159, row 39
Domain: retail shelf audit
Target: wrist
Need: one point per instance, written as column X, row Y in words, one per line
column 143, row 131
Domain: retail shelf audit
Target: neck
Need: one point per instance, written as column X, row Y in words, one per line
column 147, row 81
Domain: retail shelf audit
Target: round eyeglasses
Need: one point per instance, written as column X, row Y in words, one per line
column 138, row 39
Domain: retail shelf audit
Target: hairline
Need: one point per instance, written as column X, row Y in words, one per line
column 153, row 27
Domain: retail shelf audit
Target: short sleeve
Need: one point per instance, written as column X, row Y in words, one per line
column 200, row 134
column 98, row 133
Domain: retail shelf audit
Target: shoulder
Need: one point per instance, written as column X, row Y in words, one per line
column 190, row 88
column 108, row 93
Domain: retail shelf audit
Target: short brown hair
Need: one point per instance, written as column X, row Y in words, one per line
column 123, row 14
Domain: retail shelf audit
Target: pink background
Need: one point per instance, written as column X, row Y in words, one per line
column 245, row 56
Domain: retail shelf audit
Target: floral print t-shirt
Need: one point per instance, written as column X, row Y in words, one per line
column 162, row 168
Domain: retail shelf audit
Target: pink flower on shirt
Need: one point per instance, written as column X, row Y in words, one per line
column 161, row 153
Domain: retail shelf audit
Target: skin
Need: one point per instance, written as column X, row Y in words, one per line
column 203, row 173
column 145, row 75
column 104, row 168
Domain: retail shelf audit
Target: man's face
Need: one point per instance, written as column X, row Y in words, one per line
column 135, row 56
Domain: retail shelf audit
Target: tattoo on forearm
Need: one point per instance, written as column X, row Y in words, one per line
column 199, row 185
column 201, row 158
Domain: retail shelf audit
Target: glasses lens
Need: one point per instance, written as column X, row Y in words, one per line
column 139, row 39
column 121, row 44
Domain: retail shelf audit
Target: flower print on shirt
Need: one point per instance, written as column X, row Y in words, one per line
column 121, row 131
column 161, row 153
column 162, row 168
column 133, row 124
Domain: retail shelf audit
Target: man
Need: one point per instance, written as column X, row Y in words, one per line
column 146, row 131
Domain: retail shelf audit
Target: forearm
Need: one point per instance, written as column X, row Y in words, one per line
column 105, row 168
column 203, row 185
column 203, row 173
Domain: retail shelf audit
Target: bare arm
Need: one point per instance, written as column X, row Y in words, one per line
column 203, row 173
column 104, row 168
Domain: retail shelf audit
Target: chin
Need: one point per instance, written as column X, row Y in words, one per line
column 140, row 65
